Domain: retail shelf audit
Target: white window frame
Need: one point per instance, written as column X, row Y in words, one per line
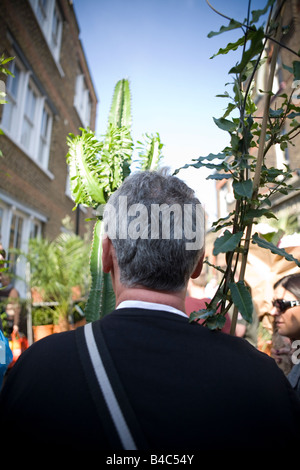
column 10, row 109
column 17, row 102
column 31, row 122
column 29, row 217
column 44, row 139
column 14, row 131
column 82, row 100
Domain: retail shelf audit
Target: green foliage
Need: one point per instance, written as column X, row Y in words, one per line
column 98, row 168
column 57, row 266
column 3, row 62
column 151, row 152
column 42, row 316
column 227, row 242
column 120, row 111
column 101, row 298
column 242, row 299
column 274, row 249
column 237, row 163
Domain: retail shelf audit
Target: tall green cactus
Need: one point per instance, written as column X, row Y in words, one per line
column 120, row 111
column 97, row 169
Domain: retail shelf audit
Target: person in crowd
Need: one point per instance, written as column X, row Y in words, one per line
column 286, row 312
column 10, row 303
column 169, row 384
column 9, row 299
column 2, row 264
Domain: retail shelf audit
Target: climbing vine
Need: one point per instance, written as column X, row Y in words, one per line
column 244, row 160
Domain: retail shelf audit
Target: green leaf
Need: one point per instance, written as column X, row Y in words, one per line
column 201, row 161
column 254, row 49
column 86, row 175
column 233, row 24
column 229, row 109
column 243, row 188
column 256, row 213
column 225, row 125
column 151, row 152
column 276, row 112
column 242, row 299
column 292, row 116
column 218, row 176
column 216, row 322
column 283, row 146
column 225, row 95
column 256, row 14
column 202, row 314
column 231, row 46
column 296, row 69
column 286, row 67
column 227, row 242
column 5, row 61
column 274, row 249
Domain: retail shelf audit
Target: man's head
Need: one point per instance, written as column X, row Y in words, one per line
column 156, row 226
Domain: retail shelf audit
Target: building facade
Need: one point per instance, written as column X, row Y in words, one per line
column 50, row 95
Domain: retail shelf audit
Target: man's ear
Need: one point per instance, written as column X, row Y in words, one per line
column 107, row 254
column 198, row 268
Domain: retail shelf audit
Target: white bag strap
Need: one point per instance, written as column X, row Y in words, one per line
column 107, row 390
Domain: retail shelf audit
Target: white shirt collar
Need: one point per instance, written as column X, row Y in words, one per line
column 150, row 306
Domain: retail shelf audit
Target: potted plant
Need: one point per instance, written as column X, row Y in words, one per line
column 57, row 267
column 42, row 321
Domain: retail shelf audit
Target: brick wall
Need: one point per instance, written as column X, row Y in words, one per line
column 21, row 178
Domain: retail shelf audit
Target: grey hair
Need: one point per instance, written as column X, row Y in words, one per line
column 155, row 249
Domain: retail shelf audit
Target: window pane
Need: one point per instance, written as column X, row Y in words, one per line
column 7, row 115
column 15, row 238
column 88, row 110
column 44, row 143
column 12, row 87
column 30, row 104
column 15, row 232
column 13, row 82
column 34, row 229
column 42, row 11
column 55, row 23
column 28, row 120
column 26, row 133
column 42, row 151
column 45, row 123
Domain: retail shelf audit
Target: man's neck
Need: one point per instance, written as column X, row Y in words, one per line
column 174, row 299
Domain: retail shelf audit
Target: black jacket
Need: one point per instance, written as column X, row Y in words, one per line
column 190, row 388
